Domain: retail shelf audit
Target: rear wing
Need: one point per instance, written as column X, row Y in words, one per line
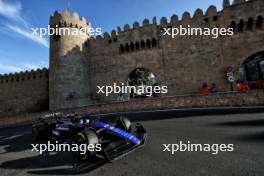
column 51, row 117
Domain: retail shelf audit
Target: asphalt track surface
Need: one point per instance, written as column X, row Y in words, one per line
column 245, row 131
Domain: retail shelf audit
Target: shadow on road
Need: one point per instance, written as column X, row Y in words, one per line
column 257, row 137
column 252, row 137
column 15, row 142
column 182, row 113
column 19, row 144
column 68, row 163
column 244, row 123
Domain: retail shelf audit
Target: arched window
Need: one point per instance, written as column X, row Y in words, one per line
column 241, row 26
column 215, row 18
column 132, row 47
column 122, row 49
column 127, row 48
column 206, row 20
column 154, row 43
column 250, row 24
column 86, row 44
column 259, row 22
column 252, row 69
column 142, row 45
column 148, row 44
column 137, row 46
column 233, row 25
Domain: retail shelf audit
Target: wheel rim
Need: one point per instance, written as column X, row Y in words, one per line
column 79, row 142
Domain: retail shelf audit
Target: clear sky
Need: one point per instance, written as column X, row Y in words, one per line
column 20, row 51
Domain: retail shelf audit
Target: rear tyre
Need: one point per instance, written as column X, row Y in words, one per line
column 85, row 138
column 124, row 124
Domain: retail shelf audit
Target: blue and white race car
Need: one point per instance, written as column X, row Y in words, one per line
column 115, row 139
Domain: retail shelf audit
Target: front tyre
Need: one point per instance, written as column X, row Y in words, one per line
column 83, row 140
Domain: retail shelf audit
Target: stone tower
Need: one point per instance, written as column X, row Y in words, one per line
column 68, row 78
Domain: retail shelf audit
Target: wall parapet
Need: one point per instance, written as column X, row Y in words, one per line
column 250, row 99
column 212, row 17
column 24, row 76
column 224, row 99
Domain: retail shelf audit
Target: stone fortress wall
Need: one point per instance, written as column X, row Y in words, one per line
column 78, row 66
column 24, row 92
column 182, row 63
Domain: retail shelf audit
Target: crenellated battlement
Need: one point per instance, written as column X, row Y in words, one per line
column 113, row 36
column 210, row 17
column 147, row 33
column 65, row 19
column 24, row 76
column 136, row 25
column 199, row 18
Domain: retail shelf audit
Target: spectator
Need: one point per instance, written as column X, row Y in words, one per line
column 242, row 86
column 204, row 89
column 213, row 88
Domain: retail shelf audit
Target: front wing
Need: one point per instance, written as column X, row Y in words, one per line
column 118, row 149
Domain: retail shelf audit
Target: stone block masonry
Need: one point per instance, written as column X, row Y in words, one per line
column 184, row 63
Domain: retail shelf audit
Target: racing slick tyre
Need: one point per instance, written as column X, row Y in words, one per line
column 86, row 137
column 39, row 130
column 141, row 133
column 124, row 124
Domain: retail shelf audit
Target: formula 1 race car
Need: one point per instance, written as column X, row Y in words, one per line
column 116, row 139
